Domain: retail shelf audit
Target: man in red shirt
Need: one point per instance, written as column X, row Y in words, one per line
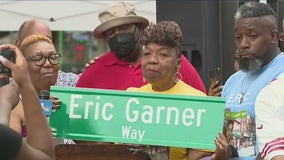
column 120, row 68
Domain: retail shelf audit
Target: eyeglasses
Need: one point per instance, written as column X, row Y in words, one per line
column 39, row 59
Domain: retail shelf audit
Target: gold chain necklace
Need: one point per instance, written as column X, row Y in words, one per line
column 245, row 91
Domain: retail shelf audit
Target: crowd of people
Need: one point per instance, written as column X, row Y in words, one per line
column 146, row 57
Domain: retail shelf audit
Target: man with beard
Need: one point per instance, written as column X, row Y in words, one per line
column 120, row 68
column 260, row 62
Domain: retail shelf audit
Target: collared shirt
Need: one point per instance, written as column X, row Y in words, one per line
column 108, row 72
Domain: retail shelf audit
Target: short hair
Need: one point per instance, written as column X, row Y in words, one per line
column 166, row 33
column 34, row 38
column 254, row 9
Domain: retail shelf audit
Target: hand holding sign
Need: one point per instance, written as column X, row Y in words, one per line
column 138, row 118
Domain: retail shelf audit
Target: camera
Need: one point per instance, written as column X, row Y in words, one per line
column 10, row 55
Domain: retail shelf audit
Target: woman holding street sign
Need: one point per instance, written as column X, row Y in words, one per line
column 160, row 65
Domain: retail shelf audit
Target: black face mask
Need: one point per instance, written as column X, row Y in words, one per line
column 122, row 44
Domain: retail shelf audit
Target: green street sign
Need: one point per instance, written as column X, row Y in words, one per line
column 137, row 118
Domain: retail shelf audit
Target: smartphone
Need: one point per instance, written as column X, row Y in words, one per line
column 215, row 75
column 10, row 55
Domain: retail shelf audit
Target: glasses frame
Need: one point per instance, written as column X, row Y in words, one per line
column 40, row 62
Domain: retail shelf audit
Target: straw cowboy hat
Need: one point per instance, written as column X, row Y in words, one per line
column 118, row 14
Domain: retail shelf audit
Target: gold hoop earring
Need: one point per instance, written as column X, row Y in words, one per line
column 176, row 77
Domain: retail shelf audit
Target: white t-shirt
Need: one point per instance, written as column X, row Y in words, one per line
column 269, row 110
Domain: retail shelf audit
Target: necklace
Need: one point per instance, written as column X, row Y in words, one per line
column 245, row 91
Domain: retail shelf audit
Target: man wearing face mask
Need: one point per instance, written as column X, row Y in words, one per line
column 120, row 68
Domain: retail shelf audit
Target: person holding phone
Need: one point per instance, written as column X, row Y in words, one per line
column 39, row 142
